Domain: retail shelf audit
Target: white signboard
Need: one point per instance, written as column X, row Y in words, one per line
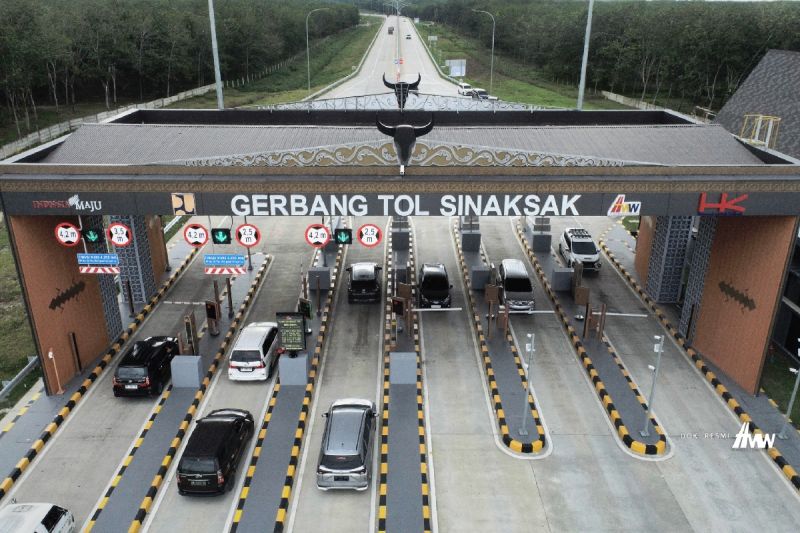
column 458, row 67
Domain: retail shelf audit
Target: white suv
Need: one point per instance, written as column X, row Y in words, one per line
column 464, row 89
column 254, row 355
column 576, row 246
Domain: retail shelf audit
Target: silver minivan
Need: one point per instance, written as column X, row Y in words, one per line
column 345, row 459
column 517, row 290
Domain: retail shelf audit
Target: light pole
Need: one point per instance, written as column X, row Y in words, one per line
column 582, row 85
column 215, row 53
column 491, row 68
column 659, row 349
column 796, row 372
column 308, row 50
column 530, row 347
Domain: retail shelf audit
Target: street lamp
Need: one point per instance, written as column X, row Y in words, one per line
column 796, row 372
column 530, row 347
column 659, row 349
column 491, row 68
column 585, row 60
column 308, row 50
column 215, row 53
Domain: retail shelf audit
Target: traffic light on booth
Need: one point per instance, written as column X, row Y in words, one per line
column 221, row 236
column 344, row 236
column 93, row 235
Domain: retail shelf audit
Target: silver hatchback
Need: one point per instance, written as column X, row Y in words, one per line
column 345, row 460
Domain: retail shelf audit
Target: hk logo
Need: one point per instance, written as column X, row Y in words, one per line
column 621, row 208
column 746, row 440
column 725, row 206
column 78, row 204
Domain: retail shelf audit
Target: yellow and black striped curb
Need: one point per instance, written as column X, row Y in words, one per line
column 137, row 443
column 155, row 484
column 634, row 445
column 251, row 469
column 299, row 434
column 115, row 348
column 787, row 469
column 22, row 411
column 389, row 326
column 534, row 446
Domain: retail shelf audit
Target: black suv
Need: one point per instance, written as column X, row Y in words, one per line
column 145, row 368
column 364, row 284
column 434, row 286
column 209, row 462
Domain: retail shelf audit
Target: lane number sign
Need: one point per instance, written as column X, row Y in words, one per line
column 67, row 234
column 196, row 235
column 370, row 235
column 318, row 235
column 248, row 235
column 118, row 234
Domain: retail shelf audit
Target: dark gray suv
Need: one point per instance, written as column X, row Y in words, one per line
column 345, row 460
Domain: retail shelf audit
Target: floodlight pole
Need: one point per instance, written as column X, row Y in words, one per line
column 796, row 371
column 659, row 349
column 491, row 68
column 586, row 38
column 308, row 49
column 215, row 53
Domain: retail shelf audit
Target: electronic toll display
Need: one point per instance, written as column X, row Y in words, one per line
column 292, row 328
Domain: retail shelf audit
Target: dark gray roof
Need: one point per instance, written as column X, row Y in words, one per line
column 129, row 144
column 770, row 89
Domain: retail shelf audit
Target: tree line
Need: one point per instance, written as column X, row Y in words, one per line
column 60, row 52
column 696, row 51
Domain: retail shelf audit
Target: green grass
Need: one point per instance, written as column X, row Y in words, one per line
column 337, row 57
column 20, row 390
column 778, row 382
column 15, row 334
column 165, row 219
column 513, row 81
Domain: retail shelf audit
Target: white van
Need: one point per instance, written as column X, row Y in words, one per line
column 35, row 518
column 464, row 88
column 254, row 354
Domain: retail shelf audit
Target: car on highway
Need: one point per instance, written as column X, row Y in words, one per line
column 480, row 94
column 577, row 247
column 209, row 462
column 345, row 457
column 35, row 518
column 408, row 36
column 434, row 286
column 363, row 284
column 516, row 287
column 464, row 88
column 254, row 353
column 146, row 367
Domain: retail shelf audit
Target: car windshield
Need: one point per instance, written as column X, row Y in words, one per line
column 359, row 284
column 341, row 462
column 481, row 92
column 131, row 372
column 466, row 86
column 435, row 282
column 198, row 465
column 245, row 356
column 518, row 285
column 584, row 247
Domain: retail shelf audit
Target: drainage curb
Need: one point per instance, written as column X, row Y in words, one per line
column 535, row 446
column 605, row 398
column 155, row 484
column 787, row 469
column 116, row 347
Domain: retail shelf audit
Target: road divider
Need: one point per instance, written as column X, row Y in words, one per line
column 636, row 446
column 116, row 347
column 155, row 484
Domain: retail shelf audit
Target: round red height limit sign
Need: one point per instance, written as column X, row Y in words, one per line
column 318, row 235
column 370, row 235
column 67, row 234
column 119, row 234
column 248, row 235
column 195, row 234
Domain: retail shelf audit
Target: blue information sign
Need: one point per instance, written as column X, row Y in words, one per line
column 98, row 259
column 223, row 260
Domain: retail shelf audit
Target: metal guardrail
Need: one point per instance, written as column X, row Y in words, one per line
column 172, row 223
column 8, row 386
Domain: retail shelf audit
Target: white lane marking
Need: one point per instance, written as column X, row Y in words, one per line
column 436, row 310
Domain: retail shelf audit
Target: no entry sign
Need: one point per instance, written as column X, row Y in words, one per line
column 248, row 235
column 370, row 235
column 67, row 234
column 118, row 234
column 195, row 234
column 318, row 235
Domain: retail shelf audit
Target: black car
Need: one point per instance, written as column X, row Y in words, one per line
column 208, row 464
column 434, row 286
column 145, row 368
column 364, row 284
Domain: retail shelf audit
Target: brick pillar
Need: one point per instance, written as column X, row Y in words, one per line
column 108, row 285
column 698, row 266
column 135, row 260
column 667, row 257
